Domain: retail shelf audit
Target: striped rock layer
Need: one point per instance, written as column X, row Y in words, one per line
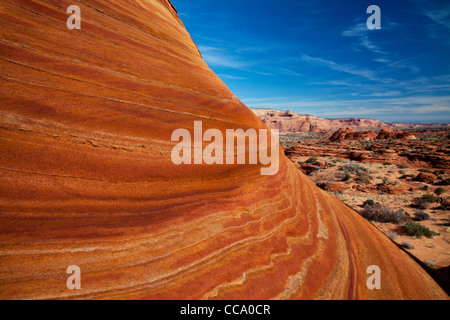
column 86, row 176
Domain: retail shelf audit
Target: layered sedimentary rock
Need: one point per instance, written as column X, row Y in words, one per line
column 288, row 121
column 386, row 133
column 349, row 134
column 346, row 133
column 87, row 177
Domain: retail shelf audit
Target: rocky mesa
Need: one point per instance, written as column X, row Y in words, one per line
column 288, row 121
column 87, row 177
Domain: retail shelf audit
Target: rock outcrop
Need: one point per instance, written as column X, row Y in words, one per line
column 87, row 179
column 427, row 177
column 288, row 121
column 346, row 133
column 387, row 133
column 349, row 134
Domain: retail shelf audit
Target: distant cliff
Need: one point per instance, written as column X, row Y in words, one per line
column 288, row 121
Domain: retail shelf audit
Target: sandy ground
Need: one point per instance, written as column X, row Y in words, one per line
column 435, row 252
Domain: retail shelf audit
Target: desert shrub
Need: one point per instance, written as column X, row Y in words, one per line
column 364, row 178
column 420, row 203
column 430, row 263
column 420, row 215
column 347, row 177
column 392, row 235
column 429, row 197
column 414, row 229
column 386, row 181
column 312, row 160
column 369, row 202
column 406, row 176
column 404, row 154
column 362, row 173
column 439, row 191
column 382, row 213
column 402, row 166
column 354, row 168
column 438, row 172
column 407, row 245
column 444, row 182
column 425, row 188
column 425, row 170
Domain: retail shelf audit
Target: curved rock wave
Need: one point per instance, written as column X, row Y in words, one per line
column 87, row 178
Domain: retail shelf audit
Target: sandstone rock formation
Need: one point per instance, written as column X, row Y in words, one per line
column 387, row 133
column 288, row 121
column 427, row 177
column 346, row 133
column 87, row 177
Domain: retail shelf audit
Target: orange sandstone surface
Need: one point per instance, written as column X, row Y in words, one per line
column 87, row 179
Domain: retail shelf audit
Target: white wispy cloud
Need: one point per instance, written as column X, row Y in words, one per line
column 289, row 72
column 335, row 83
column 440, row 16
column 231, row 77
column 216, row 57
column 361, row 32
column 365, row 73
column 383, row 94
column 229, row 58
column 438, row 12
column 406, row 63
column 382, row 60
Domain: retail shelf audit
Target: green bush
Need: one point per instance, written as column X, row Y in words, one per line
column 420, row 203
column 354, row 168
column 445, row 182
column 439, row 191
column 347, row 177
column 420, row 215
column 312, row 160
column 414, row 229
column 364, row 177
column 428, row 197
column 369, row 202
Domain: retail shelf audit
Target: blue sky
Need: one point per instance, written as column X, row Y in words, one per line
column 318, row 56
